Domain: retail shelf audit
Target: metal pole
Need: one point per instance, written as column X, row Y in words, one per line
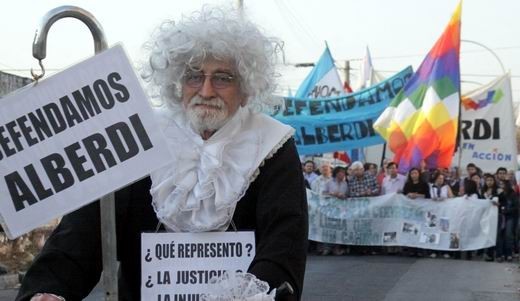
column 490, row 51
column 347, row 72
column 107, row 204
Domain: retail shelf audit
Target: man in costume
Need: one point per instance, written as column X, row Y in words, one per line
column 234, row 167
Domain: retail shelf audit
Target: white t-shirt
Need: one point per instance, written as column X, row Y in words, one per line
column 393, row 185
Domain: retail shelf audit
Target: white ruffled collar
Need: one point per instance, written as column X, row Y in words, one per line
column 199, row 190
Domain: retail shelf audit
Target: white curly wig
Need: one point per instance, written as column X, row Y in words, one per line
column 212, row 32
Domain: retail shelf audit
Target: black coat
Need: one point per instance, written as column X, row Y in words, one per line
column 274, row 206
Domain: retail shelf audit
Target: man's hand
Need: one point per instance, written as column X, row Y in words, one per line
column 47, row 297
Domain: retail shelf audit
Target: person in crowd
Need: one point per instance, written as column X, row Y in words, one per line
column 415, row 187
column 382, row 172
column 370, row 168
column 439, row 190
column 362, row 183
column 501, row 174
column 233, row 167
column 426, row 175
column 454, row 181
column 507, row 221
column 318, row 185
column 490, row 188
column 471, row 169
column 471, row 192
column 337, row 187
column 350, row 172
column 394, row 181
column 478, row 180
column 309, row 173
column 490, row 192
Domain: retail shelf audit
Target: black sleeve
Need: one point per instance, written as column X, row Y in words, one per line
column 282, row 221
column 406, row 188
column 69, row 264
column 426, row 189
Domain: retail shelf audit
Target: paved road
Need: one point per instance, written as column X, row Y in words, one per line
column 396, row 278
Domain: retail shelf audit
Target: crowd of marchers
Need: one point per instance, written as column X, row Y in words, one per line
column 365, row 180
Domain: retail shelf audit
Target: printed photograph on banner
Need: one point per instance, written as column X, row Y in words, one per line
column 430, row 238
column 444, row 224
column 410, row 228
column 431, row 220
column 454, row 241
column 390, row 237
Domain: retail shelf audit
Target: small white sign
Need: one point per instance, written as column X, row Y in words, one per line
column 72, row 138
column 178, row 266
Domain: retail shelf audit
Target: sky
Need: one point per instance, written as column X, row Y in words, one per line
column 398, row 32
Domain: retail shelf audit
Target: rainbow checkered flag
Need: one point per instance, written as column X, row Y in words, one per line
column 421, row 121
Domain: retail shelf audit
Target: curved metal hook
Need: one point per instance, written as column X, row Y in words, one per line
column 35, row 76
column 67, row 11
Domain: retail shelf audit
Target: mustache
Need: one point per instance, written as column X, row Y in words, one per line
column 216, row 102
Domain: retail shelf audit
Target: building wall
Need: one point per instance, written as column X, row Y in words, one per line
column 11, row 82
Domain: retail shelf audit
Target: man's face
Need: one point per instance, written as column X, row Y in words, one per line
column 358, row 172
column 325, row 170
column 211, row 103
column 308, row 167
column 471, row 170
column 501, row 174
column 392, row 170
column 372, row 169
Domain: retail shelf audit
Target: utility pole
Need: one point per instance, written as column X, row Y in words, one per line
column 240, row 7
column 347, row 72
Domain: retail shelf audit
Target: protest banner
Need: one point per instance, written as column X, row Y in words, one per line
column 340, row 123
column 179, row 266
column 72, row 138
column 457, row 224
column 488, row 131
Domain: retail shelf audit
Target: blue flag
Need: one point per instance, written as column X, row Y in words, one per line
column 323, row 81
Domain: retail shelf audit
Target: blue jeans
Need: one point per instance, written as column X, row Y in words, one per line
column 505, row 237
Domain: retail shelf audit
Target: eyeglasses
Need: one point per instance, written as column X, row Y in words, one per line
column 218, row 80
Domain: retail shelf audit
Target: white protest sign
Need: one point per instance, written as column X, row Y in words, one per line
column 488, row 131
column 178, row 266
column 72, row 138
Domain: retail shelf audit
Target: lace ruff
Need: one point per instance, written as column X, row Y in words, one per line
column 198, row 192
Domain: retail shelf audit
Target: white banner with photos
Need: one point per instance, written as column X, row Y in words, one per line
column 456, row 224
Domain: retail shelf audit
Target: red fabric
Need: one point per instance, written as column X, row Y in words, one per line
column 347, row 87
column 342, row 156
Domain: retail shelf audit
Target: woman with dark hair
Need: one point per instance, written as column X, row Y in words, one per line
column 490, row 187
column 471, row 189
column 507, row 216
column 477, row 178
column 439, row 190
column 415, row 187
column 490, row 192
column 337, row 186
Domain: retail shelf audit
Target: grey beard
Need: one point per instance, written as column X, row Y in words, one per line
column 203, row 119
